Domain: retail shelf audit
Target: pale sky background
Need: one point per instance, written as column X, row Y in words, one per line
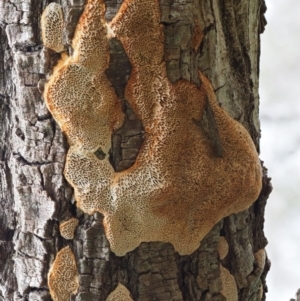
column 280, row 144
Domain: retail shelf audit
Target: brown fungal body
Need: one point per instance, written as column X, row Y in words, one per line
column 229, row 288
column 63, row 276
column 223, row 247
column 52, row 25
column 261, row 257
column 121, row 293
column 68, row 227
column 177, row 190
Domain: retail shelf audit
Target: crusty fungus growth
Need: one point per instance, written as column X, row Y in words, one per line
column 223, row 247
column 63, row 276
column 229, row 288
column 52, row 25
column 121, row 293
column 79, row 95
column 260, row 257
column 68, row 227
column 177, row 190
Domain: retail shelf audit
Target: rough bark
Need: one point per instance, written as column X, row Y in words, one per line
column 35, row 197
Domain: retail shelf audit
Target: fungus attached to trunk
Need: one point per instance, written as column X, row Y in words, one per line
column 223, row 247
column 121, row 293
column 52, row 27
column 63, row 276
column 68, row 227
column 177, row 189
column 229, row 288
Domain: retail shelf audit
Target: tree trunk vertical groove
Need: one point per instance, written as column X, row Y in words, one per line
column 35, row 197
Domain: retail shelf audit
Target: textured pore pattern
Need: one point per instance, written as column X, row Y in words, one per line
column 121, row 293
column 68, row 227
column 63, row 276
column 78, row 94
column 177, row 190
column 52, row 24
column 229, row 288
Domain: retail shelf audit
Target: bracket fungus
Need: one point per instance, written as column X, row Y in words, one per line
column 223, row 247
column 229, row 288
column 68, row 227
column 121, row 293
column 52, row 27
column 63, row 276
column 177, row 190
column 261, row 257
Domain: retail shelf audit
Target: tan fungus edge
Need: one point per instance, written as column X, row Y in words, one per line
column 67, row 228
column 52, row 27
column 63, row 276
column 260, row 257
column 223, row 247
column 229, row 288
column 121, row 293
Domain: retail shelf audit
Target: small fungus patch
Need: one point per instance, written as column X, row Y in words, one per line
column 68, row 227
column 223, row 247
column 260, row 257
column 229, row 288
column 63, row 276
column 121, row 293
column 52, row 26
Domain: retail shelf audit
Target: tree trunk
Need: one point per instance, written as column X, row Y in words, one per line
column 220, row 38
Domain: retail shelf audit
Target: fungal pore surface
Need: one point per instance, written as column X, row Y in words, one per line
column 177, row 189
column 63, row 276
column 67, row 228
column 229, row 287
column 52, row 27
column 121, row 293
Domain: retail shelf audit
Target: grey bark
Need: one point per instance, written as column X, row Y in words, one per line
column 35, row 197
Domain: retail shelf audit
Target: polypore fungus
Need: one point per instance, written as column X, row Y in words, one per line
column 52, row 25
column 260, row 257
column 63, row 276
column 229, row 288
column 79, row 95
column 177, row 189
column 121, row 293
column 68, row 227
column 223, row 247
